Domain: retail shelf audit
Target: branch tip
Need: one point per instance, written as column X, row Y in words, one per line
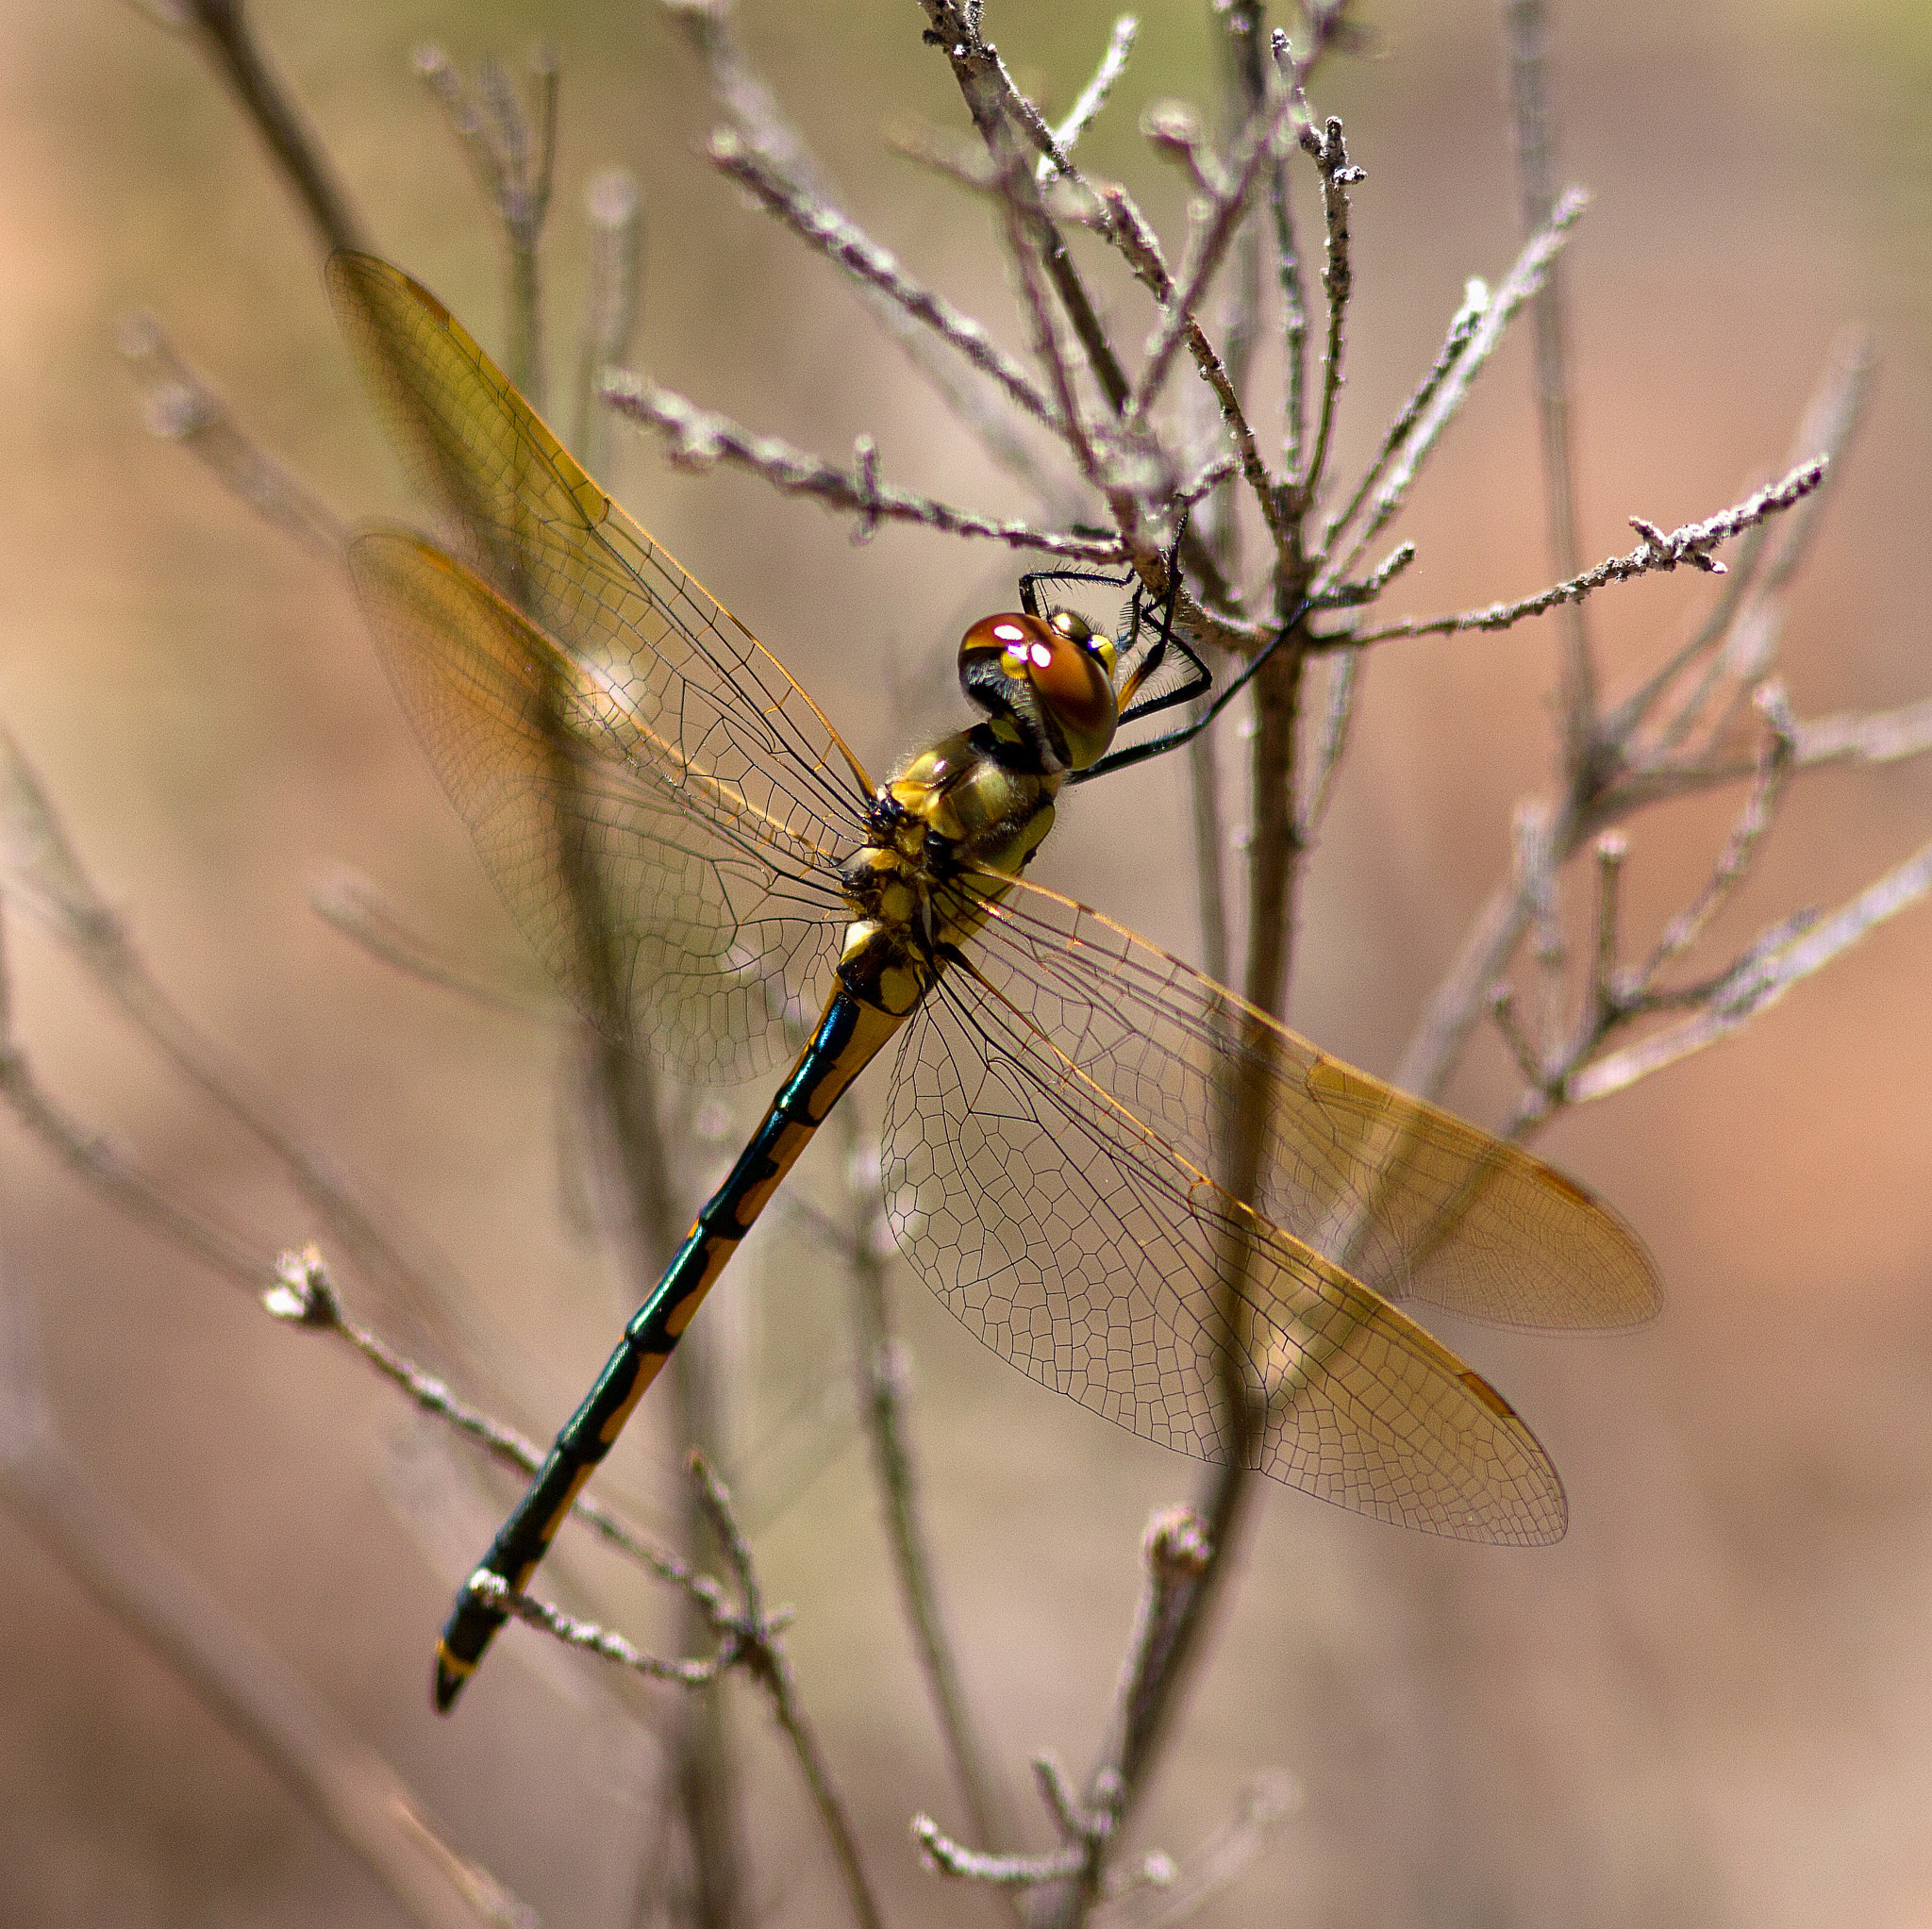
column 304, row 1294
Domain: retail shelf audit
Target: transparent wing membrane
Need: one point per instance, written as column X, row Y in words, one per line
column 704, row 791
column 698, row 685
column 1055, row 1225
column 716, row 926
column 1410, row 1200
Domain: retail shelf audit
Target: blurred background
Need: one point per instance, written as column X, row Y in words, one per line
column 1711, row 1704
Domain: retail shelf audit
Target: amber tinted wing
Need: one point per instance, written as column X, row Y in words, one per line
column 684, row 691
column 1064, row 1234
column 713, row 922
column 1409, row 1199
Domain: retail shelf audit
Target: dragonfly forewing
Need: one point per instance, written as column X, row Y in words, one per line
column 551, row 541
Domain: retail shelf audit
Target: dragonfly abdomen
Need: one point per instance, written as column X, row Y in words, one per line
column 849, row 1036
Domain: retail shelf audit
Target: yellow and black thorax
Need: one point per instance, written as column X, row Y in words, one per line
column 967, row 813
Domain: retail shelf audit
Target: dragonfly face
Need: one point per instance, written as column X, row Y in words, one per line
column 674, row 822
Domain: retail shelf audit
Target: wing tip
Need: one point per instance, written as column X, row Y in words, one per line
column 350, row 272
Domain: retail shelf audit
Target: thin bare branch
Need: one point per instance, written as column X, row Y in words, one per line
column 698, row 438
column 351, row 1789
column 302, row 1293
column 221, row 30
column 1141, row 250
column 512, row 152
column 1690, row 925
column 1350, row 596
column 1092, row 97
column 98, row 1161
column 1083, row 1830
column 1345, row 683
column 1612, row 852
column 966, row 164
column 1330, row 153
column 883, row 1373
column 997, row 108
column 1018, row 201
column 1162, row 1893
column 944, row 1856
column 828, row 232
column 613, row 292
column 1523, row 1048
column 1762, row 980
column 1331, row 745
column 1827, row 428
column 1294, row 296
column 1027, row 116
column 1533, row 861
column 182, row 407
column 1177, row 1550
column 1615, row 999
column 1174, row 132
column 1690, row 545
column 1462, row 329
column 1330, row 28
column 350, row 902
column 589, row 1638
column 1873, row 736
column 1244, row 86
column 1251, row 151
column 1526, row 30
column 1184, row 1569
column 709, row 28
column 41, row 865
column 1524, row 277
column 766, row 1659
column 1205, row 482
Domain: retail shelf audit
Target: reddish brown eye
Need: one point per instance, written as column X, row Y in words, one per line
column 1011, row 636
column 1065, row 667
column 1077, row 694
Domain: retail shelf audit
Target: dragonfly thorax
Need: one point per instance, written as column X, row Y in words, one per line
column 946, row 834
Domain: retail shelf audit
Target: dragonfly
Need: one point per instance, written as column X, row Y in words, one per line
column 1145, row 1193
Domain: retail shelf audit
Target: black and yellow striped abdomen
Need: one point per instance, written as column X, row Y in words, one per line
column 948, row 835
column 850, row 1034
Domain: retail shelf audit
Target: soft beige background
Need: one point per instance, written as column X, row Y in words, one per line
column 1711, row 1704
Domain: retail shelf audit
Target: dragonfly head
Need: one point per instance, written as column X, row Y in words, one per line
column 1047, row 678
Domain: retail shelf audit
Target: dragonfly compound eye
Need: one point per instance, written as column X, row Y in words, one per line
column 1074, row 680
column 1076, row 629
column 1061, row 664
column 1003, row 645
